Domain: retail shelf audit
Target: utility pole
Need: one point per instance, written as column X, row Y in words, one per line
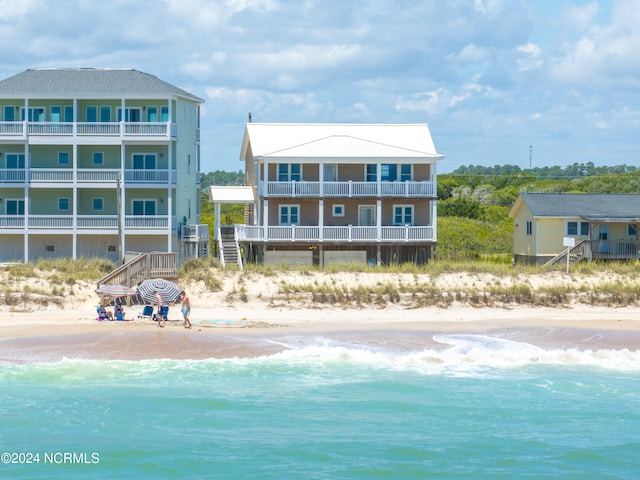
column 530, row 153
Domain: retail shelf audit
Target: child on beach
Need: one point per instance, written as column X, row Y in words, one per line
column 186, row 309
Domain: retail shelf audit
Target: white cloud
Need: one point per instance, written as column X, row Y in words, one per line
column 470, row 53
column 12, row 9
column 468, row 66
column 530, row 58
column 604, row 54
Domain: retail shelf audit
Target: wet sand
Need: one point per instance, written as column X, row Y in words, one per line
column 584, row 328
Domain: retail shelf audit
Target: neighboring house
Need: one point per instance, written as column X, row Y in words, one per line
column 602, row 226
column 331, row 193
column 96, row 162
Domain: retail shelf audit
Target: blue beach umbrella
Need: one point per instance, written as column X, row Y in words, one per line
column 169, row 291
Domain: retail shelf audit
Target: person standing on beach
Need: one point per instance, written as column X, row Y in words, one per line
column 186, row 309
column 161, row 319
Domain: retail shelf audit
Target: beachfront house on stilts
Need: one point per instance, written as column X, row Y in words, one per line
column 98, row 162
column 333, row 193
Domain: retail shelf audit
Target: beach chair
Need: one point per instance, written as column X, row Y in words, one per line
column 147, row 312
column 164, row 311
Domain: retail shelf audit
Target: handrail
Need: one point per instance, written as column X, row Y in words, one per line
column 220, row 247
column 116, row 274
column 143, row 266
column 562, row 255
column 235, row 238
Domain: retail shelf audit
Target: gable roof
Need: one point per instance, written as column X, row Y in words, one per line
column 89, row 82
column 590, row 206
column 343, row 141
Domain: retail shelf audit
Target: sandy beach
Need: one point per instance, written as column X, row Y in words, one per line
column 227, row 323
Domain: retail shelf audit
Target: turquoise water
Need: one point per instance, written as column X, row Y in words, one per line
column 480, row 408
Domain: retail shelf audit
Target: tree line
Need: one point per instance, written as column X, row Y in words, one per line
column 474, row 201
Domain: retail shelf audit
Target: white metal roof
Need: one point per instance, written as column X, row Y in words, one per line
column 344, row 141
column 231, row 194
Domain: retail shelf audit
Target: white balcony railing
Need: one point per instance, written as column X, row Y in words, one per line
column 12, row 175
column 97, row 221
column 14, row 129
column 349, row 188
column 86, row 222
column 84, row 175
column 51, row 175
column 146, row 222
column 163, row 130
column 11, row 221
column 195, row 233
column 348, row 233
column 51, row 221
column 148, row 176
column 95, row 175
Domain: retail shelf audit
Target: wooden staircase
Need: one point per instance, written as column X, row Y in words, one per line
column 576, row 254
column 143, row 266
column 229, row 247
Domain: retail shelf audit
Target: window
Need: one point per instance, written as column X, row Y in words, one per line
column 371, row 173
column 14, row 207
column 98, row 158
column 405, row 172
column 164, row 114
column 584, row 229
column 105, row 113
column 389, row 172
column 97, row 204
column 338, row 210
column 15, row 160
column 572, row 229
column 63, row 158
column 631, row 230
column 49, row 248
column 289, row 214
column 152, row 114
column 56, row 114
column 111, row 249
column 130, row 114
column 144, row 207
column 403, row 214
column 36, row 114
column 92, row 114
column 68, row 113
column 529, row 227
column 63, row 204
column 289, row 172
column 144, row 161
column 9, row 113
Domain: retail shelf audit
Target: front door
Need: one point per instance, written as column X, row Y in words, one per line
column 366, row 215
column 603, row 237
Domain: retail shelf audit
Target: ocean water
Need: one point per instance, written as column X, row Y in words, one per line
column 325, row 409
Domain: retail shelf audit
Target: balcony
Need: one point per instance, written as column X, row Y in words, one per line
column 155, row 223
column 339, row 234
column 85, row 175
column 422, row 189
column 129, row 130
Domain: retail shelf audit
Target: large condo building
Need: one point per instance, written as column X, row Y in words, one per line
column 95, row 162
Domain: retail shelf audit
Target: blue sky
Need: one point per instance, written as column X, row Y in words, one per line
column 492, row 78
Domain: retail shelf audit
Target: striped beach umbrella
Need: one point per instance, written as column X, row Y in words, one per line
column 169, row 291
column 115, row 291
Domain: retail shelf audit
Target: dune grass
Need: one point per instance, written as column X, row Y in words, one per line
column 487, row 282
